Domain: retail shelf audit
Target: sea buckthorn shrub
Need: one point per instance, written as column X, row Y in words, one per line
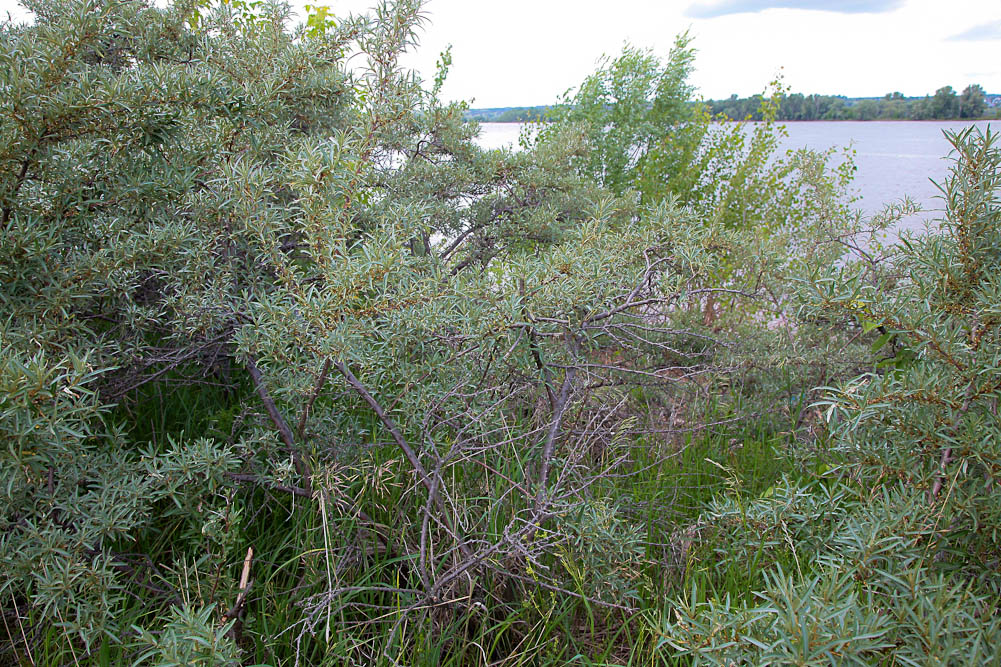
column 892, row 555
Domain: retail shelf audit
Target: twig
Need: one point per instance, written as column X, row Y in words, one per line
column 947, row 454
column 564, row 591
column 269, row 405
column 533, row 345
column 17, row 613
column 294, row 490
column 241, row 598
column 171, row 364
column 276, row 417
column 554, row 428
column 320, row 381
column 8, row 209
column 404, row 447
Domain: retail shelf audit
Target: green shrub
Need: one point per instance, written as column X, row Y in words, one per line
column 897, row 550
column 200, row 196
column 291, row 371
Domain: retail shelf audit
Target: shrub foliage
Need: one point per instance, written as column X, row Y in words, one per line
column 292, row 371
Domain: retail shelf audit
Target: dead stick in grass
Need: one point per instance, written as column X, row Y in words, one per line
column 241, row 597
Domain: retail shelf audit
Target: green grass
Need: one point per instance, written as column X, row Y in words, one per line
column 670, row 485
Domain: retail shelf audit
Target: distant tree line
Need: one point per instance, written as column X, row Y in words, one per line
column 508, row 114
column 945, row 104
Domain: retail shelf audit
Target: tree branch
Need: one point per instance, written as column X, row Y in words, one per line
column 320, row 381
column 404, row 447
column 7, row 210
column 947, row 454
column 554, row 429
column 279, row 421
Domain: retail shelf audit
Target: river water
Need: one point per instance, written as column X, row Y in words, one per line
column 894, row 158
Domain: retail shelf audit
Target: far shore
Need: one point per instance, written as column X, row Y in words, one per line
column 784, row 122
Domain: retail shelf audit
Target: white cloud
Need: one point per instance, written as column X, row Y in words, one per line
column 978, row 33
column 713, row 8
column 526, row 52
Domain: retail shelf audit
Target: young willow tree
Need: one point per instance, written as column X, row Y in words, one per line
column 269, row 315
column 647, row 132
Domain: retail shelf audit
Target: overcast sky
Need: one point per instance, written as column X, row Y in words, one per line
column 528, row 52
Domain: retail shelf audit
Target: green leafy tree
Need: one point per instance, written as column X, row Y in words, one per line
column 289, row 367
column 637, row 108
column 894, row 106
column 972, row 102
column 944, row 104
column 867, row 110
column 647, row 133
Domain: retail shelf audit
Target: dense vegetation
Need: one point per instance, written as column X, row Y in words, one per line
column 293, row 373
column 507, row 114
column 945, row 104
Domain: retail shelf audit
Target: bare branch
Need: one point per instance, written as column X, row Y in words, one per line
column 279, row 421
column 554, row 429
column 404, row 447
column 320, row 381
